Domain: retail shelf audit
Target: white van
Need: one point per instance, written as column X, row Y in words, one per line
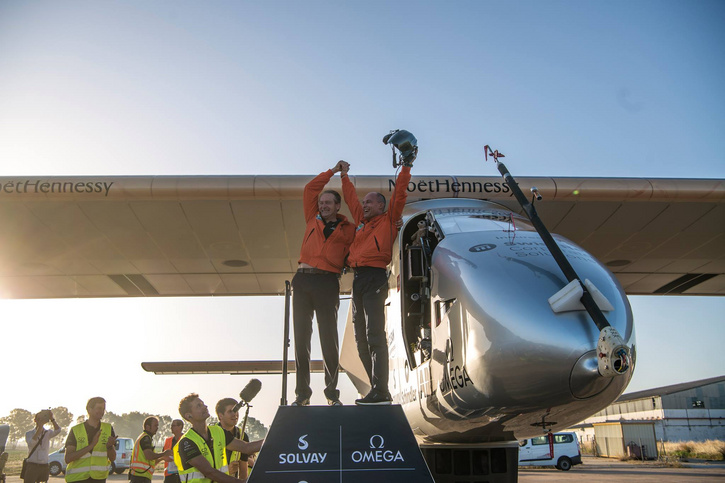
column 537, row 451
column 124, row 448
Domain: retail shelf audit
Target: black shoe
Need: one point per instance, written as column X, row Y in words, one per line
column 301, row 402
column 334, row 402
column 375, row 398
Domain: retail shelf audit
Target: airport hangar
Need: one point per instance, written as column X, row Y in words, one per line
column 689, row 411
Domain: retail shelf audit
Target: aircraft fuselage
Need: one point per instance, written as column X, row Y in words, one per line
column 477, row 353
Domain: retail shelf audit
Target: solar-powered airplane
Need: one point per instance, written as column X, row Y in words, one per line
column 491, row 339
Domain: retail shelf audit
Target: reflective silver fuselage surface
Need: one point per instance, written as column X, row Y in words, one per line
column 502, row 364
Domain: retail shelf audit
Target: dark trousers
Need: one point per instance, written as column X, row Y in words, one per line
column 369, row 291
column 317, row 294
column 172, row 478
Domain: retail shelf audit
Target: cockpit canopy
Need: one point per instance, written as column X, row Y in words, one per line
column 449, row 221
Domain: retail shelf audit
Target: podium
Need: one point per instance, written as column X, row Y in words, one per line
column 347, row 444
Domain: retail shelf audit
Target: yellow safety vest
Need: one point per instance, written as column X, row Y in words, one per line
column 140, row 466
column 91, row 465
column 216, row 456
column 234, row 455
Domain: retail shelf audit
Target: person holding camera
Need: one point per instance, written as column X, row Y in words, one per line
column 38, row 439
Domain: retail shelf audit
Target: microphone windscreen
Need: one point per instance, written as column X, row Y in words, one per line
column 250, row 390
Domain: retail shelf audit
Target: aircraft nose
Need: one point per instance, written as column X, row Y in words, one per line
column 517, row 350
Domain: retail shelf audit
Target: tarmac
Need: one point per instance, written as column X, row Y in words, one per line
column 595, row 469
column 592, row 470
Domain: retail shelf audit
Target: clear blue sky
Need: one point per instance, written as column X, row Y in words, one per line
column 563, row 88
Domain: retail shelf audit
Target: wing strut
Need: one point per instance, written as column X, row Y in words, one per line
column 613, row 353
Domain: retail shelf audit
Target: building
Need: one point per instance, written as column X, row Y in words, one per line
column 691, row 411
column 625, row 438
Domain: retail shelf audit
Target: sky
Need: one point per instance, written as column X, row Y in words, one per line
column 563, row 88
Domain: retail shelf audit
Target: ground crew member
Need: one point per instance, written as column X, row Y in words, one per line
column 228, row 419
column 200, row 454
column 90, row 446
column 316, row 285
column 171, row 471
column 370, row 254
column 143, row 458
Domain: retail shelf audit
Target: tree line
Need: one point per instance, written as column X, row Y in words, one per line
column 128, row 425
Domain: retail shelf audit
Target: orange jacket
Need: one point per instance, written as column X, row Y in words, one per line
column 317, row 251
column 373, row 244
column 169, row 468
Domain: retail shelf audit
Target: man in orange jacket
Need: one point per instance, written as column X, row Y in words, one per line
column 316, row 285
column 370, row 254
column 171, row 471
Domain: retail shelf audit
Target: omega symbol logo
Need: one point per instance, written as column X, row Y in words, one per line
column 372, row 442
column 302, row 443
column 483, row 247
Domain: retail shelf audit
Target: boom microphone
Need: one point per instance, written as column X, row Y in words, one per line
column 247, row 394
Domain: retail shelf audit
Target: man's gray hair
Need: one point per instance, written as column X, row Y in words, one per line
column 335, row 194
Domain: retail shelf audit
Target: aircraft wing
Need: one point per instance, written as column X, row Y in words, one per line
column 66, row 237
column 226, row 367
